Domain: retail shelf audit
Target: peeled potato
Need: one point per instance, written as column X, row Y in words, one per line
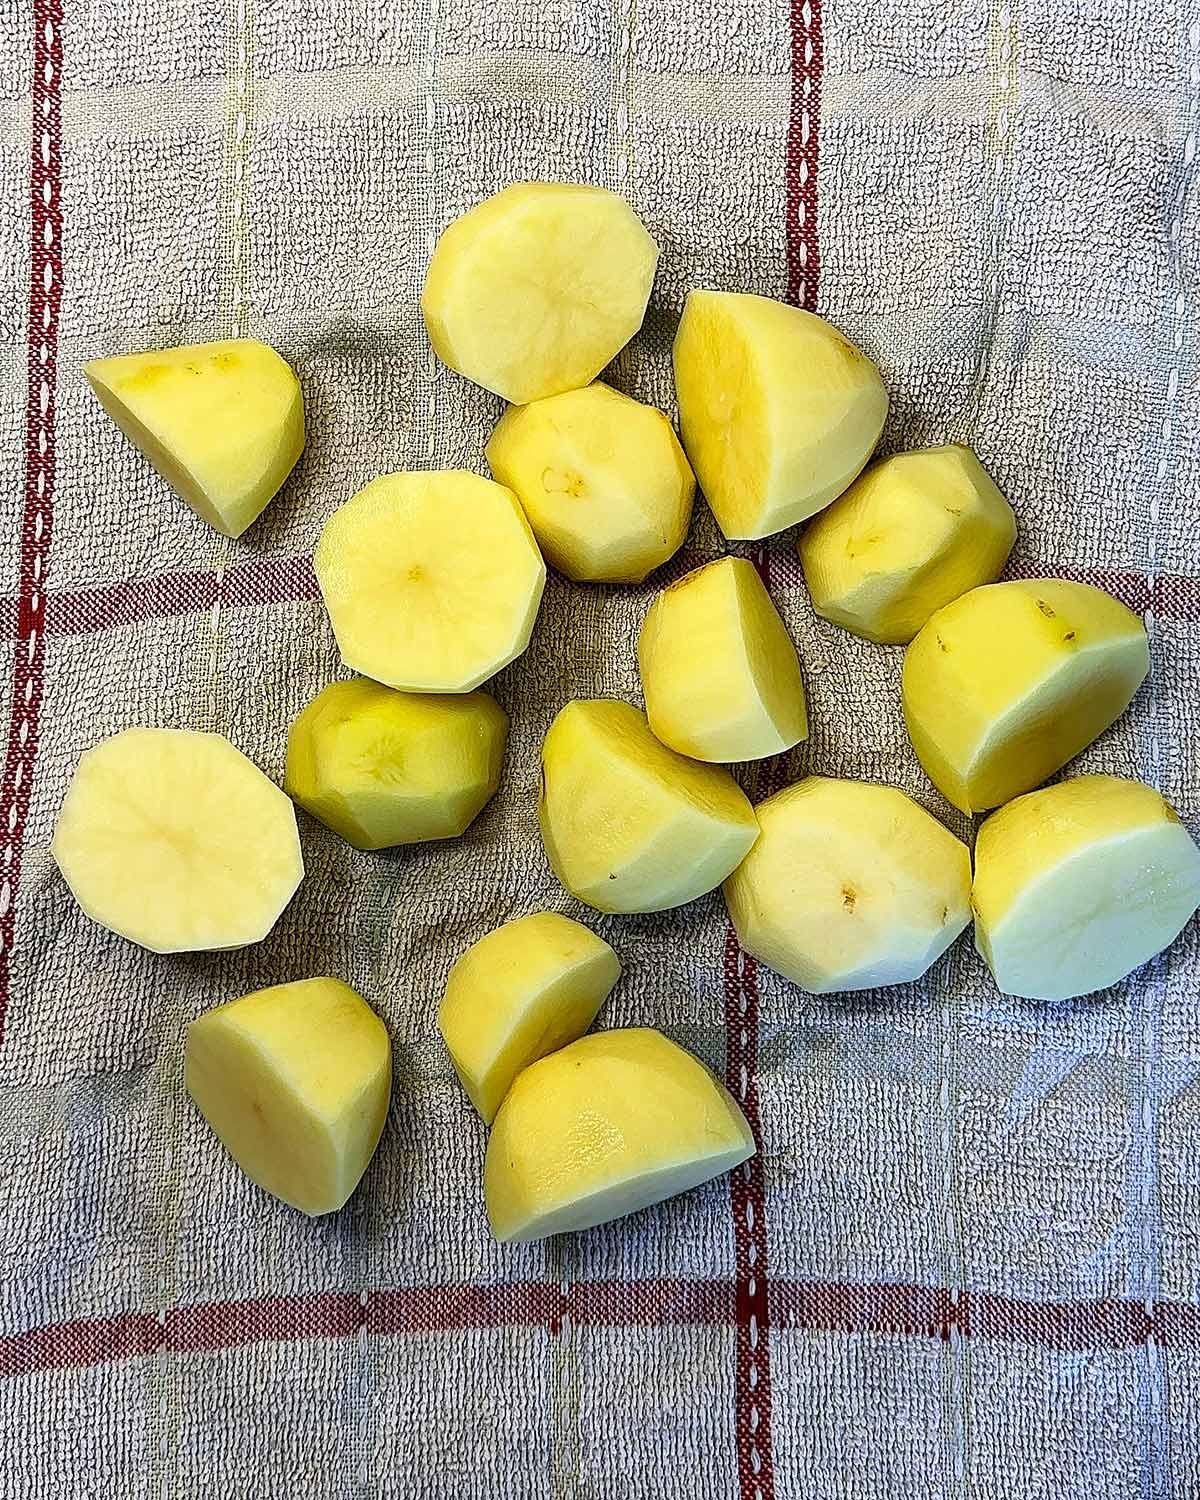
column 295, row 1080
column 611, row 1124
column 601, row 478
column 1080, row 884
column 432, row 580
column 629, row 825
column 222, row 423
column 719, row 671
column 534, row 290
column 1008, row 683
column 174, row 840
column 383, row 768
column 524, row 990
column 907, row 537
column 849, row 887
column 778, row 412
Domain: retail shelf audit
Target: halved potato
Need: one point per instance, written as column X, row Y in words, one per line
column 534, row 290
column 383, row 768
column 849, row 887
column 222, row 423
column 719, row 671
column 629, row 825
column 602, row 480
column 1008, row 683
column 1079, row 884
column 907, row 537
column 432, row 580
column 611, row 1124
column 295, row 1080
column 176, row 841
column 778, row 412
column 523, row 990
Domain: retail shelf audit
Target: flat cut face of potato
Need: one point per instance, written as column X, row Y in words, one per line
column 628, row 825
column 295, row 1080
column 1079, row 884
column 609, row 1125
column 720, row 674
column 222, row 423
column 522, row 991
column 383, row 768
column 1005, row 685
column 850, row 886
column 176, row 841
column 777, row 410
column 537, row 288
column 910, row 535
column 432, row 580
column 602, row 480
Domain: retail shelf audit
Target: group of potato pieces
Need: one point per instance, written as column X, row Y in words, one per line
column 433, row 581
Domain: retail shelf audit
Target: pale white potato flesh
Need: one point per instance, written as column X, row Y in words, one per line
column 176, row 841
column 534, row 290
column 720, row 674
column 523, row 990
column 1079, row 884
column 432, row 580
column 850, row 886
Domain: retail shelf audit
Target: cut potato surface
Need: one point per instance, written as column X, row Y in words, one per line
column 849, row 887
column 174, row 840
column 910, row 535
column 602, row 480
column 1008, row 683
column 778, row 412
column 534, row 290
column 432, row 580
column 609, row 1125
column 1079, row 884
column 383, row 768
column 719, row 671
column 629, row 825
column 524, row 990
column 222, row 423
column 295, row 1080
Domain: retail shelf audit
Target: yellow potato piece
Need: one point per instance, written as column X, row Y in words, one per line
column 524, row 990
column 849, row 887
column 629, row 825
column 534, row 290
column 611, row 1124
column 1079, row 884
column 432, row 580
column 720, row 674
column 222, row 423
column 383, row 768
column 778, row 412
column 602, row 480
column 907, row 537
column 173, row 839
column 1008, row 683
column 295, row 1080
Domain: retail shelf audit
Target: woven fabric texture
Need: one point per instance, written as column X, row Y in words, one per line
column 966, row 1261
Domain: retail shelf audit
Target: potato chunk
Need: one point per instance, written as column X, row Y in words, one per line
column 534, row 290
column 609, row 1125
column 523, row 990
column 383, row 768
column 295, row 1080
column 629, row 825
column 601, row 478
column 222, row 423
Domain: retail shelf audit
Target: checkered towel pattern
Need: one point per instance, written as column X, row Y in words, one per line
column 966, row 1261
